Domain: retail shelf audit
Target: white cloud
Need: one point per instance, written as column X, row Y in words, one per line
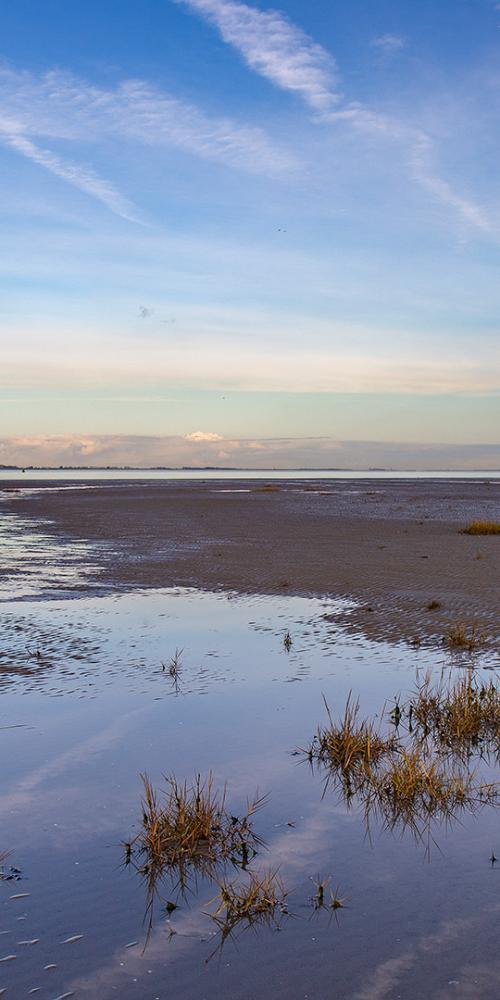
column 314, row 452
column 203, row 436
column 441, row 190
column 81, row 177
column 57, row 106
column 274, row 47
column 389, row 43
column 280, row 51
column 60, row 106
column 420, row 153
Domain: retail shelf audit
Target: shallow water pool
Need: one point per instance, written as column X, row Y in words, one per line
column 86, row 706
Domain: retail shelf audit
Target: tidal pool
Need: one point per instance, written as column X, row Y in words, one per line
column 86, row 706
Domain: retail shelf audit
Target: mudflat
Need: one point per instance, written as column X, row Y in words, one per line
column 394, row 546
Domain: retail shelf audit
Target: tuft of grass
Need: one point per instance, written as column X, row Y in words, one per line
column 422, row 775
column 482, row 528
column 326, row 901
column 433, row 605
column 462, row 717
column 349, row 745
column 287, row 641
column 174, row 668
column 188, row 831
column 174, row 665
column 464, row 637
column 259, row 901
column 417, row 788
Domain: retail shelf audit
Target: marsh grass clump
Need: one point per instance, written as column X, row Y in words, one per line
column 350, row 745
column 464, row 638
column 188, row 830
column 259, row 901
column 433, row 605
column 462, row 717
column 287, row 641
column 420, row 775
column 418, row 788
column 482, row 528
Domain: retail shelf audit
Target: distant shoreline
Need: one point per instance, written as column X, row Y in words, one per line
column 234, row 468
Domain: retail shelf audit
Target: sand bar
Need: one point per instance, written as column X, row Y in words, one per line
column 392, row 545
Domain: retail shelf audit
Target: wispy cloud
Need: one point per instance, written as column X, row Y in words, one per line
column 385, row 978
column 57, row 106
column 282, row 52
column 421, row 150
column 420, row 153
column 276, row 48
column 74, row 173
column 389, row 43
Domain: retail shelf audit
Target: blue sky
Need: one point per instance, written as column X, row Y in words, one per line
column 228, row 224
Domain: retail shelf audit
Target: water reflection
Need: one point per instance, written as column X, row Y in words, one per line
column 410, row 779
column 34, row 564
column 97, row 708
column 188, row 833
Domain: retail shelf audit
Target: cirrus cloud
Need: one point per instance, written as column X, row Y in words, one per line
column 274, row 47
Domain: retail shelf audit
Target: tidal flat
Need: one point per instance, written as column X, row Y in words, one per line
column 236, row 696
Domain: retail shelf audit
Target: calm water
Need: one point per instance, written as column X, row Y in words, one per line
column 291, row 474
column 85, row 707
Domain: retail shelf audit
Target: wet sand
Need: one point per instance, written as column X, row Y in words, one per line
column 391, row 545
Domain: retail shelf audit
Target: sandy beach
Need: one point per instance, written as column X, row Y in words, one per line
column 393, row 546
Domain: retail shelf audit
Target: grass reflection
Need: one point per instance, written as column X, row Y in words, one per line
column 187, row 832
column 421, row 773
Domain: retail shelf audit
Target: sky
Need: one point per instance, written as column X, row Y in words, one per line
column 243, row 233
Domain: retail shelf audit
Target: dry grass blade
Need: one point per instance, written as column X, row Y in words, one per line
column 350, row 744
column 462, row 637
column 174, row 667
column 462, row 717
column 417, row 788
column 259, row 901
column 187, row 831
column 333, row 901
column 482, row 528
column 408, row 783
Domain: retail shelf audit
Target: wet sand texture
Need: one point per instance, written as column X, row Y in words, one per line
column 394, row 546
